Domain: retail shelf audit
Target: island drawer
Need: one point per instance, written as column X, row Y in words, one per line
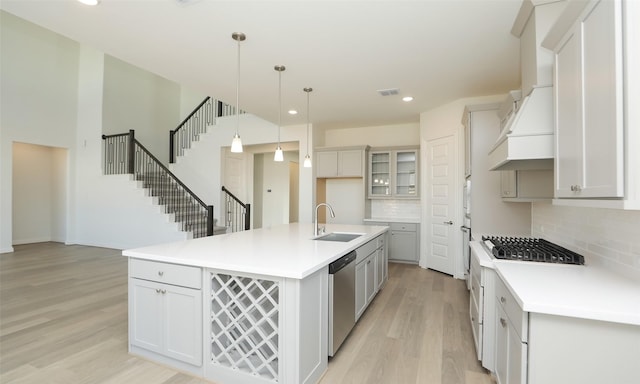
column 518, row 317
column 174, row 274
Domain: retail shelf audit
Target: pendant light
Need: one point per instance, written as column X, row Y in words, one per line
column 236, row 144
column 307, row 158
column 279, row 156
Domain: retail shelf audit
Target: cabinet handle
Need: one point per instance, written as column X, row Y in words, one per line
column 160, row 273
column 502, row 299
column 448, row 222
column 163, row 291
column 157, row 290
column 503, row 322
column 576, row 188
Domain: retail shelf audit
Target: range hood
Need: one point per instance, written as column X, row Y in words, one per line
column 526, row 141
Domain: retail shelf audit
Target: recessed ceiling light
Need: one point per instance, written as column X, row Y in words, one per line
column 90, row 2
column 407, row 98
column 293, row 112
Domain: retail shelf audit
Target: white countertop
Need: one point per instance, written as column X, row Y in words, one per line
column 587, row 291
column 283, row 251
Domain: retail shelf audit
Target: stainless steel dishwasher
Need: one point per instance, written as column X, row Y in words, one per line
column 342, row 300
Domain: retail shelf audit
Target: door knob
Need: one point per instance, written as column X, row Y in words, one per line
column 448, row 222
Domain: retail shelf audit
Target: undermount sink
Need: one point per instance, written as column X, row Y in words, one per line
column 337, row 236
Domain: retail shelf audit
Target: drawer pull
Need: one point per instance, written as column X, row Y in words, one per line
column 503, row 300
column 503, row 322
column 160, row 273
column 157, row 290
column 163, row 291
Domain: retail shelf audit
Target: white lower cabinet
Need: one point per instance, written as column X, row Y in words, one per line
column 511, row 324
column 538, row 348
column 165, row 319
column 371, row 272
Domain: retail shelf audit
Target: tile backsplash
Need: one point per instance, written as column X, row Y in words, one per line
column 383, row 208
column 606, row 236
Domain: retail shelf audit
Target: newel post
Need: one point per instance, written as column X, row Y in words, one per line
column 132, row 152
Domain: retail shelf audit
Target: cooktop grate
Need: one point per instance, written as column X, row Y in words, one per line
column 530, row 249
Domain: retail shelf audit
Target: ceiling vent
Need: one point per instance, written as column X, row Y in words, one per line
column 388, row 92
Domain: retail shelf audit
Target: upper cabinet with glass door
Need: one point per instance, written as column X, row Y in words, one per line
column 393, row 173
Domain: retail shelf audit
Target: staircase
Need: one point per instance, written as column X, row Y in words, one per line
column 178, row 203
column 124, row 154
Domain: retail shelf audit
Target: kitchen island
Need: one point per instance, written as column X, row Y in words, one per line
column 245, row 307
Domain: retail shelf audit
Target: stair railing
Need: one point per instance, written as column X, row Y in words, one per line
column 124, row 154
column 238, row 215
column 196, row 123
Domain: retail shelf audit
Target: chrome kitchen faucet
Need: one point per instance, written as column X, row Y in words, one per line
column 319, row 231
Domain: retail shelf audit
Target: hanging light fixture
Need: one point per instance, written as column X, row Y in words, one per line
column 307, row 158
column 236, row 144
column 279, row 156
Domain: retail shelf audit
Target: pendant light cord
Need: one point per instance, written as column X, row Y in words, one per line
column 238, row 92
column 279, row 104
column 308, row 113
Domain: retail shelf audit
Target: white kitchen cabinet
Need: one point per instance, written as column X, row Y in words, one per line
column 366, row 287
column 371, row 272
column 393, row 173
column 508, row 184
column 381, row 267
column 339, row 163
column 526, row 186
column 596, row 162
column 404, row 242
column 166, row 318
column 511, row 338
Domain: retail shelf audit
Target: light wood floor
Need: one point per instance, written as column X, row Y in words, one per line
column 63, row 319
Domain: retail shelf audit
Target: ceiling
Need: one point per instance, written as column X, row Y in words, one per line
column 434, row 50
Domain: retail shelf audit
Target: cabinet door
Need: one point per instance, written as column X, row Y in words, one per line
column 406, row 173
column 508, row 184
column 183, row 324
column 403, row 246
column 146, row 309
column 603, row 126
column 350, row 163
column 327, row 164
column 370, row 279
column 381, row 267
column 361, row 291
column 380, row 174
column 502, row 345
column 568, row 164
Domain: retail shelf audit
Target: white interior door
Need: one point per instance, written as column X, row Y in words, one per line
column 440, row 238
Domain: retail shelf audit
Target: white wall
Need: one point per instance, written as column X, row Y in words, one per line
column 38, row 72
column 139, row 100
column 375, row 136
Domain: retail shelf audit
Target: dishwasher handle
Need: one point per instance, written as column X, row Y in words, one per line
column 342, row 262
